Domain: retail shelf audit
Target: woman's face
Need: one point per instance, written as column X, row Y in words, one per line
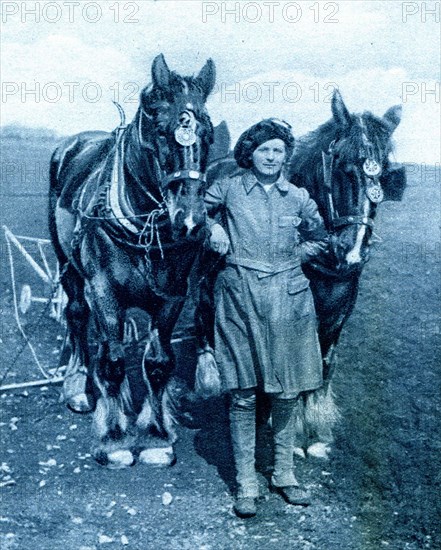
column 269, row 157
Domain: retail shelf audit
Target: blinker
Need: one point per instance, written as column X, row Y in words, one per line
column 393, row 181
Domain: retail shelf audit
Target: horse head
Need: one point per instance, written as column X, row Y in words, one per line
column 173, row 124
column 345, row 166
column 355, row 165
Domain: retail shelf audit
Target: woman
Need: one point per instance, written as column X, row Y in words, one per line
column 265, row 329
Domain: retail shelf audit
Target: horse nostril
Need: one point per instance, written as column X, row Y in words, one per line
column 179, row 218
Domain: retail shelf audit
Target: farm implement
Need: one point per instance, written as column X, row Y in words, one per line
column 37, row 256
column 41, row 286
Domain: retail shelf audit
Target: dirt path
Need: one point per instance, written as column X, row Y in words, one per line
column 381, row 488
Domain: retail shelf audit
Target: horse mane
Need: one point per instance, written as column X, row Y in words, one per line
column 308, row 149
column 177, row 84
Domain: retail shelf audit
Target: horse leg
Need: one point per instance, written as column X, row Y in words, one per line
column 158, row 414
column 334, row 304
column 113, row 442
column 77, row 390
column 207, row 378
column 320, row 414
column 76, row 385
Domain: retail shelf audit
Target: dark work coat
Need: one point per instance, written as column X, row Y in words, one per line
column 265, row 331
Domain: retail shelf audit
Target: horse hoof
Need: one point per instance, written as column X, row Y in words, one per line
column 160, row 457
column 319, row 450
column 116, row 460
column 80, row 403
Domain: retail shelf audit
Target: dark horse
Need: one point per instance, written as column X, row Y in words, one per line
column 345, row 167
column 127, row 220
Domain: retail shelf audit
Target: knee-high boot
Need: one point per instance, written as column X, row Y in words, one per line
column 283, row 420
column 243, row 437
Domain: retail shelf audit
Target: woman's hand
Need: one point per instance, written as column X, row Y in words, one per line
column 219, row 241
column 309, row 250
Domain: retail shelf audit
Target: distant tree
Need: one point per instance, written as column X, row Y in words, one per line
column 18, row 131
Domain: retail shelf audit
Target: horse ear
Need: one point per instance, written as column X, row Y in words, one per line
column 160, row 72
column 339, row 111
column 207, row 77
column 393, row 117
column 221, row 143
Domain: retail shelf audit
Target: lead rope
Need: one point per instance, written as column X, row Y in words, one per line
column 151, row 226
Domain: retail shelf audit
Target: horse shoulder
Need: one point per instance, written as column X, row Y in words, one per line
column 76, row 159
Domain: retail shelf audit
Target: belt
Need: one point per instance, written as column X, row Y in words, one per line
column 265, row 269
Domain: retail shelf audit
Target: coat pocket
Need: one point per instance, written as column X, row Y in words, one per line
column 301, row 302
column 297, row 285
column 288, row 235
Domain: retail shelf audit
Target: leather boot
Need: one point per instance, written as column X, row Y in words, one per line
column 283, row 423
column 243, row 438
column 245, row 507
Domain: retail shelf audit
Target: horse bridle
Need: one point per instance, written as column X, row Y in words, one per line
column 122, row 211
column 374, row 192
column 186, row 137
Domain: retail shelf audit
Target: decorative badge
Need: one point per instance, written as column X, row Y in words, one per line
column 375, row 193
column 185, row 136
column 371, row 167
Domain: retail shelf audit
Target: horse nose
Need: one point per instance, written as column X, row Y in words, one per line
column 353, row 257
column 190, row 223
column 179, row 218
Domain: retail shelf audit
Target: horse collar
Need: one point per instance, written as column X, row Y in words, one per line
column 122, row 209
column 117, row 176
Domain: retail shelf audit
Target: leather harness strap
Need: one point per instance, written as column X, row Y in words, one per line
column 335, row 221
column 351, row 220
column 184, row 174
column 116, row 179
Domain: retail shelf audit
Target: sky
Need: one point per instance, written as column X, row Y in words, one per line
column 63, row 62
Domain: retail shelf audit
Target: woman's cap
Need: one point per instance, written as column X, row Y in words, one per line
column 265, row 130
